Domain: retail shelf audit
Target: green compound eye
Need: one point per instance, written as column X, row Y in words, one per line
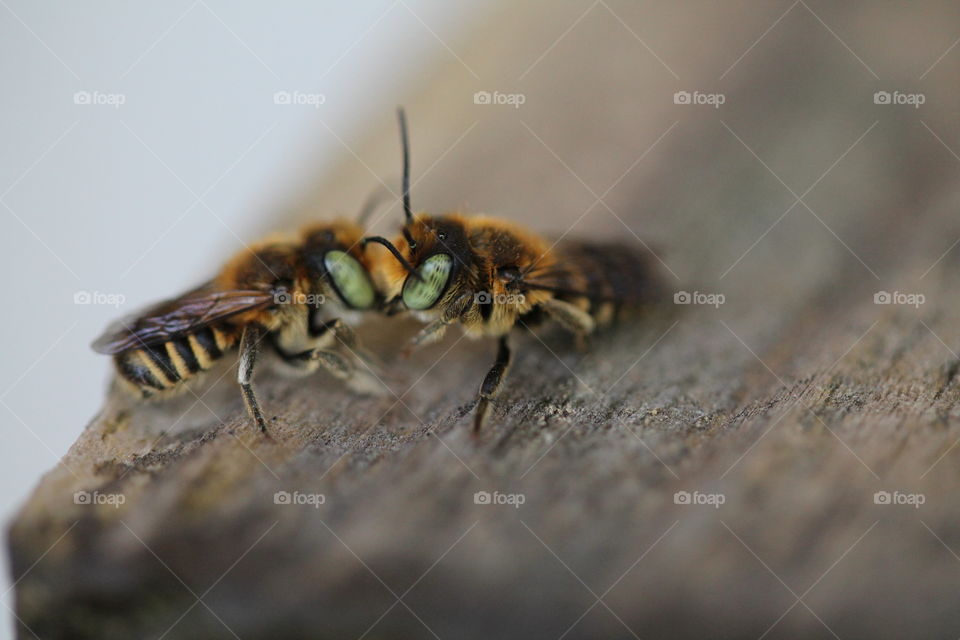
column 350, row 279
column 419, row 294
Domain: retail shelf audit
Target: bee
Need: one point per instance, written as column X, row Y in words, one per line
column 490, row 275
column 299, row 294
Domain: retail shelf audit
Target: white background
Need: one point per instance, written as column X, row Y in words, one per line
column 102, row 199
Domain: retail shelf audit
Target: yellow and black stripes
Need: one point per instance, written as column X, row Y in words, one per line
column 162, row 367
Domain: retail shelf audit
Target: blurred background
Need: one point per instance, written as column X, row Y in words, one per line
column 795, row 157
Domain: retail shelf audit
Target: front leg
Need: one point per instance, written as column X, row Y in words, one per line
column 307, row 361
column 340, row 329
column 249, row 348
column 491, row 383
column 434, row 331
column 346, row 335
column 360, row 380
column 431, row 333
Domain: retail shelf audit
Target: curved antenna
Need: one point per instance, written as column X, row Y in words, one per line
column 405, row 146
column 371, row 204
column 396, row 253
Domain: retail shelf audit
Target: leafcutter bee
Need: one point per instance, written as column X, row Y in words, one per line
column 292, row 292
column 491, row 275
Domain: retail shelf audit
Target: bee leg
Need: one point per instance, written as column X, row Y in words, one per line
column 333, row 362
column 491, row 383
column 571, row 318
column 249, row 348
column 435, row 330
column 345, row 334
column 341, row 330
column 307, row 361
column 361, row 380
column 427, row 335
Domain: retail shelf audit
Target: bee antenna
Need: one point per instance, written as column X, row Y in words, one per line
column 396, row 253
column 373, row 201
column 405, row 146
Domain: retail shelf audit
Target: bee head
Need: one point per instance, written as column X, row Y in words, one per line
column 430, row 254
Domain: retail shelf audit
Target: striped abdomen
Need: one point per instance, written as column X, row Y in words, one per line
column 163, row 367
column 615, row 276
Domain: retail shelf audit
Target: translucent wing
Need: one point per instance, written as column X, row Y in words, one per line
column 178, row 317
column 607, row 272
column 554, row 279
